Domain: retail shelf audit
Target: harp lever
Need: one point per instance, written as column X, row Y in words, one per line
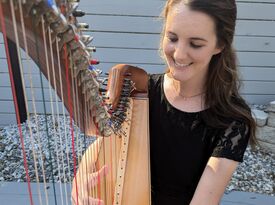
column 79, row 13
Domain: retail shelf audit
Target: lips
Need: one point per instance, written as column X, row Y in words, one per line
column 182, row 65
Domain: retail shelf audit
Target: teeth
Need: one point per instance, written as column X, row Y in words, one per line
column 182, row 65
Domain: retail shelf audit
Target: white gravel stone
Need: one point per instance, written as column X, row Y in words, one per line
column 272, row 106
column 266, row 134
column 255, row 174
column 271, row 119
column 267, row 147
column 43, row 145
column 260, row 117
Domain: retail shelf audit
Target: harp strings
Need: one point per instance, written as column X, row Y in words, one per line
column 71, row 116
column 51, row 157
column 57, row 133
column 38, row 141
column 84, row 177
column 33, row 102
column 65, row 130
column 15, row 101
column 55, row 114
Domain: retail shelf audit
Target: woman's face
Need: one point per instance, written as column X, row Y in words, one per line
column 189, row 43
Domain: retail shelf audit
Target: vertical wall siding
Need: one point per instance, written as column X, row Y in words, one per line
column 128, row 32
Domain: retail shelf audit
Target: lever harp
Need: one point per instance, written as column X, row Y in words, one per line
column 117, row 117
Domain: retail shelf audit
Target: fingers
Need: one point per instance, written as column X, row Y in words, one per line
column 96, row 177
column 88, row 201
column 85, row 181
column 89, row 158
column 93, row 201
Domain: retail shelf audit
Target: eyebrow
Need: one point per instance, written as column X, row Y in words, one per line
column 192, row 38
column 197, row 38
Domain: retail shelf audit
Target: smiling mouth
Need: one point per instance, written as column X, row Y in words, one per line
column 182, row 65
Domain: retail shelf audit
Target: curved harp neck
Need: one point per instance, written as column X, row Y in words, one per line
column 51, row 31
column 126, row 81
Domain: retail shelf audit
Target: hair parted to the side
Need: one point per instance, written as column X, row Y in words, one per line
column 222, row 85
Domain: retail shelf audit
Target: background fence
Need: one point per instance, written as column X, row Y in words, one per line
column 128, row 32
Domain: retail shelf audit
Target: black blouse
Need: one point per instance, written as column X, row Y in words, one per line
column 181, row 144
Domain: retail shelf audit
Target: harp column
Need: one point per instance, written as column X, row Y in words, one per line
column 16, row 75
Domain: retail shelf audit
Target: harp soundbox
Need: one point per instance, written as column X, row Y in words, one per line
column 50, row 35
column 129, row 180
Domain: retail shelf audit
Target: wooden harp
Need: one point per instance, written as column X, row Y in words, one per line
column 47, row 32
column 129, row 182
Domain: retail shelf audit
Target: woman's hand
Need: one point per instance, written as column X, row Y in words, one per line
column 85, row 183
column 88, row 177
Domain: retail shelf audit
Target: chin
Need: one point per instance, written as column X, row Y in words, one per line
column 178, row 75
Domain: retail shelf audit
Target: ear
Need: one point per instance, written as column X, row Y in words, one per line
column 217, row 50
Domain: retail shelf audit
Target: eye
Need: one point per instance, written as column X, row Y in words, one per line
column 194, row 45
column 172, row 39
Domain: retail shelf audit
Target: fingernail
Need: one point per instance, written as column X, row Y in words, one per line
column 106, row 169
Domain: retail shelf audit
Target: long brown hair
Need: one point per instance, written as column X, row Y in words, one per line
column 223, row 83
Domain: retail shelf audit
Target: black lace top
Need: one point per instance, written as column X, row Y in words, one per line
column 181, row 144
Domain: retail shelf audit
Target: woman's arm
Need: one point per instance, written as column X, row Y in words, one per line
column 213, row 182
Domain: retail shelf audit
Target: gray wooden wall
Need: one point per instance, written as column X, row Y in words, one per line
column 128, row 32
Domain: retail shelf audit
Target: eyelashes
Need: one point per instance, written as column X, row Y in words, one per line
column 192, row 44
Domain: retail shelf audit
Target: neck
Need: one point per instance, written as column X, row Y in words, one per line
column 188, row 89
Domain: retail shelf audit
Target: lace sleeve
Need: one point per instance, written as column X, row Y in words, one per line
column 232, row 143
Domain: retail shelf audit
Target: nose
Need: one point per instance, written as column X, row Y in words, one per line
column 181, row 53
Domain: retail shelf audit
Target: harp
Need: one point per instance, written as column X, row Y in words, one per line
column 48, row 33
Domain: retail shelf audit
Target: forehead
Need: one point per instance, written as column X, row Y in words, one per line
column 182, row 20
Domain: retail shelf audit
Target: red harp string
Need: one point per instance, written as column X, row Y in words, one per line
column 78, row 87
column 15, row 102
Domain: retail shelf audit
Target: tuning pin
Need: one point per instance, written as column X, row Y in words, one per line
column 99, row 71
column 82, row 26
column 102, row 90
column 70, row 9
column 49, row 2
column 86, row 39
column 128, row 74
column 91, row 68
column 60, row 26
column 105, row 81
column 94, row 62
column 91, row 49
column 96, row 72
column 73, row 1
column 79, row 13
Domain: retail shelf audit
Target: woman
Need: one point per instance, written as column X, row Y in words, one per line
column 199, row 124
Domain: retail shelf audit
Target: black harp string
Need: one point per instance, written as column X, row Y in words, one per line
column 86, row 120
column 74, row 83
column 65, row 128
column 33, row 100
column 43, row 96
column 55, row 122
column 23, row 82
column 87, row 104
column 85, row 177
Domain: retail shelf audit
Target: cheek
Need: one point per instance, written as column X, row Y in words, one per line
column 168, row 49
column 203, row 56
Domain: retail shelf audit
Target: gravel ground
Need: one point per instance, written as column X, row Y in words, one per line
column 45, row 146
column 255, row 174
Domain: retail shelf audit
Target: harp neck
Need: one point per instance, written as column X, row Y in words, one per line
column 46, row 25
